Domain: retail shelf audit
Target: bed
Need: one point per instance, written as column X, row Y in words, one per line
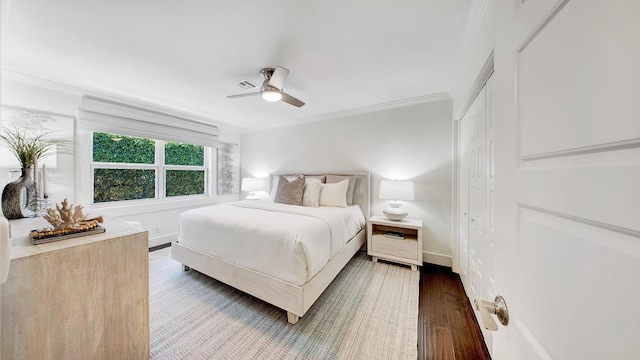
column 286, row 255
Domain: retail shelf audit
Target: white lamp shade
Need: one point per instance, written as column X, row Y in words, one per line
column 396, row 190
column 252, row 184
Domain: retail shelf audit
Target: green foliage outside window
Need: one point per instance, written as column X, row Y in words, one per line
column 123, row 184
column 183, row 154
column 129, row 183
column 184, row 182
column 122, row 149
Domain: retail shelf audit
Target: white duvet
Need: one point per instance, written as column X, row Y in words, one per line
column 288, row 242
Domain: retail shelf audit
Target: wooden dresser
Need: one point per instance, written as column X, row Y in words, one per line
column 81, row 298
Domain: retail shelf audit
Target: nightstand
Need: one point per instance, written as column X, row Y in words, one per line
column 404, row 249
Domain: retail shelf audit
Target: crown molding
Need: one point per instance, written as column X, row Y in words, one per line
column 441, row 96
column 76, row 91
column 40, row 82
column 477, row 15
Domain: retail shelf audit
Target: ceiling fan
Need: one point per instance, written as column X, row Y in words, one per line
column 271, row 89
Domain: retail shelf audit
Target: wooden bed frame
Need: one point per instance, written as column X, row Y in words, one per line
column 296, row 300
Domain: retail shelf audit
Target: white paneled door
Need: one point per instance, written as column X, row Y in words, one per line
column 559, row 229
column 463, row 202
column 476, row 190
column 476, row 194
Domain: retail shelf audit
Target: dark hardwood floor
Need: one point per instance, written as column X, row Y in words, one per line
column 447, row 328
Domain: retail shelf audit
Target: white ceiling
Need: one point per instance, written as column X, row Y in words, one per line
column 186, row 55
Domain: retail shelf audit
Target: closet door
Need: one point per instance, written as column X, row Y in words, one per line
column 487, row 245
column 476, row 205
column 463, row 199
column 477, row 194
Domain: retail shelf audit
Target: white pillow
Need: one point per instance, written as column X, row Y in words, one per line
column 334, row 194
column 311, row 195
column 350, row 189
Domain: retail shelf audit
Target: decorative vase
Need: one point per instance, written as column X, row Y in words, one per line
column 18, row 197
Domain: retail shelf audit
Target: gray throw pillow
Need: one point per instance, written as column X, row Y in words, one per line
column 289, row 192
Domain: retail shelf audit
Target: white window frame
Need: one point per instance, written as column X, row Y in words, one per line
column 206, row 167
column 160, row 170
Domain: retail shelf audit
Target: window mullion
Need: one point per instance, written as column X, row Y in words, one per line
column 160, row 172
column 99, row 165
column 208, row 170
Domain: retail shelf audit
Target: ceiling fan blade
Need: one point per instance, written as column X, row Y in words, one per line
column 291, row 100
column 279, row 77
column 243, row 95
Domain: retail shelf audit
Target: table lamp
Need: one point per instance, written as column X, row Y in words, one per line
column 252, row 185
column 395, row 190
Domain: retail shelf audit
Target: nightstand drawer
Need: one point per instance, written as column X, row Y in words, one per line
column 404, row 248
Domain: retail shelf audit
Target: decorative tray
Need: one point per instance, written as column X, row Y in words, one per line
column 45, row 235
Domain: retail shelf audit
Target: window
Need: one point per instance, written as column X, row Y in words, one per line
column 133, row 168
column 184, row 169
column 141, row 154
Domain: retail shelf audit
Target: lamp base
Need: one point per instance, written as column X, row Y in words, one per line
column 394, row 212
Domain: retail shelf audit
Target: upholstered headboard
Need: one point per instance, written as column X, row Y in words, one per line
column 361, row 192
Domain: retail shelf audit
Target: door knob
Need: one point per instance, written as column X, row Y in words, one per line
column 497, row 307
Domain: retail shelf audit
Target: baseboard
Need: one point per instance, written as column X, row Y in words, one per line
column 159, row 247
column 437, row 259
column 162, row 239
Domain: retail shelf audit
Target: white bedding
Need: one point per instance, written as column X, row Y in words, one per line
column 288, row 242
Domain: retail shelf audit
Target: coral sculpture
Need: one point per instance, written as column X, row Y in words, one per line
column 66, row 219
column 65, row 215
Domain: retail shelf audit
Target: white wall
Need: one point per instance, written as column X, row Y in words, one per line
column 479, row 43
column 407, row 143
column 412, row 142
column 159, row 219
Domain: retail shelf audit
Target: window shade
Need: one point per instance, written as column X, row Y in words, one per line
column 106, row 116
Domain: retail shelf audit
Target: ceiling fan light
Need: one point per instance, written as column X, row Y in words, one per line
column 271, row 95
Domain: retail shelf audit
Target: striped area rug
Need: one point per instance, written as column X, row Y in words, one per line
column 370, row 311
